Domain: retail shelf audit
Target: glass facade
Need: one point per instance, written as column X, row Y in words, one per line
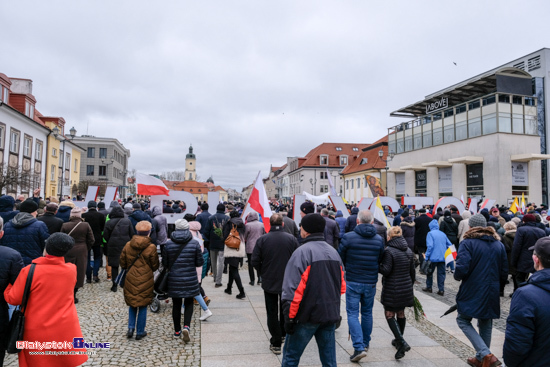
column 493, row 113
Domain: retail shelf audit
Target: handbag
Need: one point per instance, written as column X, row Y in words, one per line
column 233, row 240
column 17, row 323
column 121, row 277
column 161, row 283
column 427, row 267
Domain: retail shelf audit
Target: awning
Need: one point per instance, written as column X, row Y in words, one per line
column 467, row 160
column 528, row 157
column 412, row 168
column 441, row 164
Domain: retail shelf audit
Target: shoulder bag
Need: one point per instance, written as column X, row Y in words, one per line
column 161, row 283
column 17, row 322
column 121, row 277
column 233, row 240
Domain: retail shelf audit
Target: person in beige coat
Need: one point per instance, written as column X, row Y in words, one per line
column 463, row 226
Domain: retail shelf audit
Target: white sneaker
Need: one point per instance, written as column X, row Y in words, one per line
column 206, row 314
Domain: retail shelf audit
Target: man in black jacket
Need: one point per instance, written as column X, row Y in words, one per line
column 522, row 257
column 270, row 256
column 215, row 242
column 96, row 220
column 53, row 223
column 332, row 230
column 10, row 265
column 422, row 227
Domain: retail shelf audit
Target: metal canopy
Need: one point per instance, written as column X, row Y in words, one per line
column 462, row 92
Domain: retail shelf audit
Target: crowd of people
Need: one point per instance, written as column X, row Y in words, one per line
column 303, row 269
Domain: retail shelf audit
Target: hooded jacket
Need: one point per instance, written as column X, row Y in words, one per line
column 7, row 204
column 437, row 243
column 397, row 267
column 526, row 236
column 313, row 283
column 481, row 264
column 361, row 252
column 202, row 218
column 217, row 220
column 27, row 235
column 351, row 222
column 64, row 212
column 528, row 326
column 463, row 226
column 139, row 283
column 332, row 232
column 341, row 222
column 118, row 231
column 450, row 228
column 508, row 242
column 421, row 230
column 96, row 220
column 182, row 279
column 253, row 229
column 270, row 256
column 53, row 223
column 408, row 228
column 161, row 225
column 138, row 216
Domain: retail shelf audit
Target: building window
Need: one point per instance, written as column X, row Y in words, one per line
column 461, row 130
column 68, row 162
column 347, row 184
column 76, row 165
column 351, row 183
column 38, row 151
column 338, row 148
column 448, row 113
column 102, row 170
column 355, row 149
column 102, row 152
column 489, row 100
column 29, row 109
column 358, row 183
column 343, row 160
column 54, row 152
column 52, row 173
column 324, row 160
column 5, row 96
column 503, row 98
column 517, row 100
column 517, row 123
column 474, row 179
column 2, row 134
column 91, row 152
column 27, row 141
column 437, row 136
column 89, row 170
column 460, row 109
column 473, row 105
column 490, row 123
column 474, row 127
column 14, row 142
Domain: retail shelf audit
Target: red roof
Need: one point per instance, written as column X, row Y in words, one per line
column 369, row 159
column 313, row 158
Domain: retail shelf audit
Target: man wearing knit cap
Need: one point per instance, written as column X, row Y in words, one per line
column 26, row 234
column 312, row 287
column 481, row 265
column 53, row 223
column 521, row 257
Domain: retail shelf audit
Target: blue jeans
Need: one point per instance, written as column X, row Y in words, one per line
column 297, row 342
column 96, row 263
column 360, row 294
column 141, row 314
column 451, row 266
column 482, row 341
column 440, row 276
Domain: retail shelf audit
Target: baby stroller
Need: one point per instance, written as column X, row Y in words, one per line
column 159, row 295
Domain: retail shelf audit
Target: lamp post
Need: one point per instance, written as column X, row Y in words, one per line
column 106, row 163
column 389, row 158
column 60, row 137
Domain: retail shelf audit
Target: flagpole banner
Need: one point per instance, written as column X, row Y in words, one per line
column 110, row 195
column 149, row 185
column 374, row 185
column 450, row 254
column 378, row 213
column 259, row 202
column 339, row 204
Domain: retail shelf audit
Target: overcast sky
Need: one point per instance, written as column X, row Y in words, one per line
column 250, row 83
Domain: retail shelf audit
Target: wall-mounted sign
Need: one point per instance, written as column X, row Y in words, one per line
column 400, row 183
column 420, row 179
column 437, row 105
column 446, row 179
column 520, row 176
column 474, row 178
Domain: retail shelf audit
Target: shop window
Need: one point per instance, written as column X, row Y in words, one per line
column 461, row 130
column 474, row 127
column 504, row 122
column 490, row 123
column 517, row 123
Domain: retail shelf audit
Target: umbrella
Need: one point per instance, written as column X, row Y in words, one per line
column 450, row 310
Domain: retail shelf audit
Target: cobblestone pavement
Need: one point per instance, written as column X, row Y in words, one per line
column 103, row 317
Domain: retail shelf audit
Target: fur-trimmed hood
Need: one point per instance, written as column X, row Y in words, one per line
column 482, row 233
column 408, row 221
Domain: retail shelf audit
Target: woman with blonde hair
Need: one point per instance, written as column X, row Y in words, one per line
column 397, row 267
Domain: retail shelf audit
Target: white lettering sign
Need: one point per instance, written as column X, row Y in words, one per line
column 437, row 105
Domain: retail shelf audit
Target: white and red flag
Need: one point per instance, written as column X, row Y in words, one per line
column 149, row 185
column 259, row 202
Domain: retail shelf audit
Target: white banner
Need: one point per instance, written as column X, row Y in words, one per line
column 446, row 179
column 520, row 176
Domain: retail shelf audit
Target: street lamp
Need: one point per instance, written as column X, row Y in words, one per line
column 61, row 138
column 389, row 158
column 106, row 163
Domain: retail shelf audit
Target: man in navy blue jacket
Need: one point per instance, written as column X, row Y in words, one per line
column 361, row 251
column 528, row 326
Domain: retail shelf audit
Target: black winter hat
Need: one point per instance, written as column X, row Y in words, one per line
column 92, row 204
column 28, row 206
column 313, row 223
column 58, row 244
column 101, row 205
column 136, row 206
column 220, row 208
column 307, row 207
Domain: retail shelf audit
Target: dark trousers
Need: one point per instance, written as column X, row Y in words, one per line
column 187, row 314
column 2, row 354
column 97, row 261
column 520, row 278
column 114, row 273
column 234, row 275
column 275, row 318
column 251, row 268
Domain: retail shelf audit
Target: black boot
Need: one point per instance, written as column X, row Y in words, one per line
column 402, row 322
column 241, row 294
column 400, row 342
column 75, row 299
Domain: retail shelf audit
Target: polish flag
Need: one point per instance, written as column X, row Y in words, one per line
column 258, row 201
column 149, row 185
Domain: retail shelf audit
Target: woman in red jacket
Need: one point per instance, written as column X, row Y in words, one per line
column 51, row 314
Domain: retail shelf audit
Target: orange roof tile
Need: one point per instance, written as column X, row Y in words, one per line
column 313, row 157
column 370, row 154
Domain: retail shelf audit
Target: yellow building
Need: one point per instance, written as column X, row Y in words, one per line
column 58, row 160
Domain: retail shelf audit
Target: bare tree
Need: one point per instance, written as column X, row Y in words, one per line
column 10, row 178
column 173, row 175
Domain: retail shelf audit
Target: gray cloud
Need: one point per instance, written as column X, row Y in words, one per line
column 250, row 83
